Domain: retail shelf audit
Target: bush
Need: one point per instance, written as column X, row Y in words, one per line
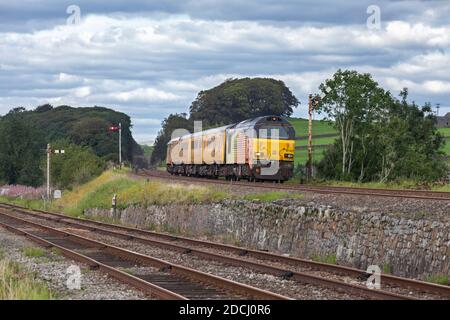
column 76, row 166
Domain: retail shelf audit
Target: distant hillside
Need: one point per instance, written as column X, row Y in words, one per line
column 320, row 127
column 84, row 126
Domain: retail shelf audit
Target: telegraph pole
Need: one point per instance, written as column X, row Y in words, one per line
column 120, row 145
column 49, row 152
column 310, row 107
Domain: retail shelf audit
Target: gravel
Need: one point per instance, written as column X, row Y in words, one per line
column 243, row 275
column 52, row 270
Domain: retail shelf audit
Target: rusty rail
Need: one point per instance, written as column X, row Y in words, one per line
column 299, row 276
column 148, row 287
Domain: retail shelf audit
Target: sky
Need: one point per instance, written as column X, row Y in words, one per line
column 149, row 59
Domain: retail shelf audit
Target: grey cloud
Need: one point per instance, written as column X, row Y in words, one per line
column 167, row 68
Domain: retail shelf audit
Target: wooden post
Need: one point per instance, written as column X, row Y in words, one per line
column 120, row 145
column 310, row 107
column 49, row 152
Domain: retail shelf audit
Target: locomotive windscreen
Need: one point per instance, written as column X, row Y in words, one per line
column 285, row 132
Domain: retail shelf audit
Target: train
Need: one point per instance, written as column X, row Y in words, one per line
column 256, row 149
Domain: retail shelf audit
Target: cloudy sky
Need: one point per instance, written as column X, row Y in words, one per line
column 149, row 59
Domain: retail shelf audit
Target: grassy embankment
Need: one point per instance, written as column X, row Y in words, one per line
column 17, row 284
column 139, row 191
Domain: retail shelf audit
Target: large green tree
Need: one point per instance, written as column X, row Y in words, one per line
column 354, row 102
column 21, row 150
column 238, row 99
column 380, row 137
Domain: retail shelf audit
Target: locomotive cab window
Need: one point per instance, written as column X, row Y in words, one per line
column 284, row 132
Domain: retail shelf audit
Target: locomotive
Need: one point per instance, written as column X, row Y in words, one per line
column 255, row 149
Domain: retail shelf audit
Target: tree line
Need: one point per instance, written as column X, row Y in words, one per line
column 81, row 132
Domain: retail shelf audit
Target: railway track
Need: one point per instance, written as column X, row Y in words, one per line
column 153, row 276
column 300, row 270
column 373, row 192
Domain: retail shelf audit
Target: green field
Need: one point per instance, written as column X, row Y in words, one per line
column 445, row 131
column 322, row 127
column 301, row 156
column 319, row 127
column 315, row 141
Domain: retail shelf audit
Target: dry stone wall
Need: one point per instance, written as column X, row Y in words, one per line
column 414, row 246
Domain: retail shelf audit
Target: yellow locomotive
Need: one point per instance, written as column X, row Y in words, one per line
column 256, row 149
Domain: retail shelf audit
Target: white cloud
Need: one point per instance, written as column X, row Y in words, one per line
column 145, row 95
column 82, row 92
column 437, row 86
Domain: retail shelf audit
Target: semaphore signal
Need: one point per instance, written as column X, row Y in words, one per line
column 114, row 128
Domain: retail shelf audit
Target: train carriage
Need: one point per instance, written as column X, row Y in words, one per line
column 256, row 149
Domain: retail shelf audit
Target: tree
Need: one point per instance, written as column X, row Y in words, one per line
column 44, row 108
column 84, row 126
column 238, row 99
column 16, row 110
column 410, row 145
column 380, row 137
column 353, row 101
column 169, row 124
column 77, row 165
column 21, row 149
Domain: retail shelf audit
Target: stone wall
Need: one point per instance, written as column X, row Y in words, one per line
column 414, row 246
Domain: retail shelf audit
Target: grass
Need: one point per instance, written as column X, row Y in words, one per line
column 439, row 279
column 445, row 131
column 316, row 141
column 130, row 191
column 33, row 252
column 386, row 268
column 17, row 284
column 271, row 196
column 301, row 156
column 330, row 259
column 322, row 127
column 319, row 127
column 56, row 251
column 400, row 185
column 32, row 204
column 141, row 192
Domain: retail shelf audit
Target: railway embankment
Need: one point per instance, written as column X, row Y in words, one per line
column 412, row 246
